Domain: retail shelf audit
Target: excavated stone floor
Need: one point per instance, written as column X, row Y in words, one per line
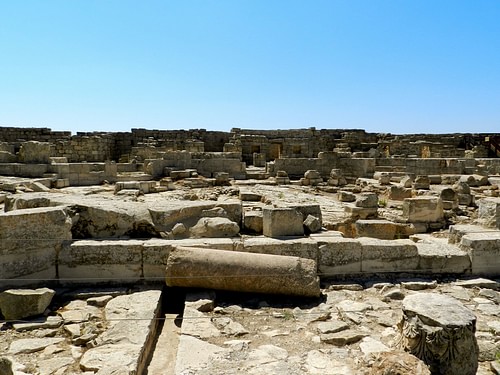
column 105, row 331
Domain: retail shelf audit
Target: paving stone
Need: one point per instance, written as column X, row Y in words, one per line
column 32, row 345
column 39, row 323
column 342, row 338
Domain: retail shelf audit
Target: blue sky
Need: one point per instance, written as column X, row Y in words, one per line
column 398, row 66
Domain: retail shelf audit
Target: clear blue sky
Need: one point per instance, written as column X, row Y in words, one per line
column 398, row 66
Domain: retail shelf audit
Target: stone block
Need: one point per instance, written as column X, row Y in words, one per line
column 29, row 241
column 423, row 210
column 91, row 262
column 382, row 229
column 312, row 224
column 367, row 200
column 252, row 221
column 167, row 214
column 442, row 259
column 361, row 212
column 489, row 212
column 422, row 183
column 339, row 256
column 388, row 255
column 456, row 232
column 214, row 227
column 242, row 272
column 298, row 247
column 280, row 222
column 154, row 258
column 399, row 193
column 346, row 196
column 22, row 303
column 484, row 251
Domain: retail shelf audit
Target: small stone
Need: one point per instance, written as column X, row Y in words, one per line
column 369, row 346
column 353, row 306
column 343, row 337
column 201, row 301
column 395, row 294
column 84, row 339
column 73, row 330
column 32, row 345
column 332, row 326
column 100, row 301
column 419, row 285
column 39, row 323
column 479, row 283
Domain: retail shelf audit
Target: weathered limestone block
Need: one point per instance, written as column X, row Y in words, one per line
column 449, row 198
column 339, row 256
column 312, row 224
column 423, row 210
column 29, row 241
column 367, row 200
column 111, row 218
column 252, row 221
column 459, row 230
column 167, row 214
column 280, row 222
column 246, row 272
column 388, row 255
column 34, row 152
column 346, row 196
column 250, row 196
column 439, row 330
column 382, row 229
column 422, row 183
column 214, row 227
column 7, row 157
column 399, row 193
column 406, row 182
column 384, row 179
column 23, row 303
column 484, row 251
column 442, row 259
column 131, row 321
column 91, row 261
column 154, row 257
column 301, row 247
column 361, row 212
column 489, row 212
column 336, row 178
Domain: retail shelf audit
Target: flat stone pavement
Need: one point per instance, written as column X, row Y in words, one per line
column 343, row 332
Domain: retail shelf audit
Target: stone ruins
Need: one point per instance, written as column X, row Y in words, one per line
column 249, row 252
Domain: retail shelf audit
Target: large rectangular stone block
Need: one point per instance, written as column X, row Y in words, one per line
column 484, row 251
column 282, row 222
column 339, row 256
column 298, row 247
column 91, row 261
column 423, row 210
column 29, row 241
column 442, row 259
column 388, row 255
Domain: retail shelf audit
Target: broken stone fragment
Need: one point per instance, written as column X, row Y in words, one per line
column 23, row 303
